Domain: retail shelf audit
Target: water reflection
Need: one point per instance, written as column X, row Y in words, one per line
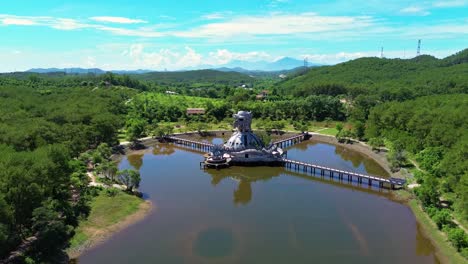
column 242, row 195
column 163, row 149
column 424, row 246
column 136, row 160
column 262, row 215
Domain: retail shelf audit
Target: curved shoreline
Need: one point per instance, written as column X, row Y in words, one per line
column 381, row 159
column 360, row 147
column 100, row 236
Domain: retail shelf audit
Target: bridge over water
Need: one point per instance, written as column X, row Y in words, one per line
column 307, row 168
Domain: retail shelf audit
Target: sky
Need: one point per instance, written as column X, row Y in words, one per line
column 173, row 35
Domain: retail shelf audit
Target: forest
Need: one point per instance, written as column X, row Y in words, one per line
column 43, row 186
column 416, row 108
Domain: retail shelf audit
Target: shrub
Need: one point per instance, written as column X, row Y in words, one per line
column 458, row 238
column 111, row 192
column 442, row 218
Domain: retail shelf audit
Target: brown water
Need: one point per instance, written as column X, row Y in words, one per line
column 263, row 214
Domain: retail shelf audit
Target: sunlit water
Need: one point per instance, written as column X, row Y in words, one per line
column 263, row 214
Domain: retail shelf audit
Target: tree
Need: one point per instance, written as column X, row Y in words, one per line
column 135, row 128
column 339, row 127
column 130, row 178
column 108, row 169
column 50, row 228
column 5, row 225
column 104, row 150
column 458, row 238
column 442, row 218
column 428, row 192
column 461, row 204
column 359, row 129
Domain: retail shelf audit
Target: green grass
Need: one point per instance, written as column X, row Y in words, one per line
column 328, row 131
column 105, row 211
column 447, row 250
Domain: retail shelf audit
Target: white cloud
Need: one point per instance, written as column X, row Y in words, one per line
column 17, row 21
column 214, row 16
column 414, row 10
column 73, row 24
column 119, row 20
column 454, row 3
column 163, row 58
column 67, row 24
column 277, row 24
column 223, row 56
column 334, row 58
column 90, row 61
column 130, row 32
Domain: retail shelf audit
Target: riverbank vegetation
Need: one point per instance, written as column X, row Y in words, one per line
column 433, row 130
column 108, row 212
column 416, row 108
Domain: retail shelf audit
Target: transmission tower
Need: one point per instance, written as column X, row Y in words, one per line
column 419, row 48
column 306, row 62
column 381, row 53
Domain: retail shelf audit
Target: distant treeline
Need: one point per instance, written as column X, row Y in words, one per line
column 384, row 79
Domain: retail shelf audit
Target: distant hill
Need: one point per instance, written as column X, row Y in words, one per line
column 67, row 70
column 285, row 63
column 423, row 73
column 84, row 71
column 198, row 76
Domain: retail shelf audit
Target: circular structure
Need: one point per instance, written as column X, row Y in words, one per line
column 243, row 138
column 244, row 147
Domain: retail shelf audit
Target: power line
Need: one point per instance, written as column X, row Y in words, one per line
column 419, row 48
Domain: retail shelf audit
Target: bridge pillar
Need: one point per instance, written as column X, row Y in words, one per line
column 369, row 182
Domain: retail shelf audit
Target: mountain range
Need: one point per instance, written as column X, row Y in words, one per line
column 241, row 66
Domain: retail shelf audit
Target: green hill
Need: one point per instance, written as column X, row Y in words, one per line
column 423, row 75
column 192, row 77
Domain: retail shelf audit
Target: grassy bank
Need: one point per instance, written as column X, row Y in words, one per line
column 109, row 214
column 447, row 252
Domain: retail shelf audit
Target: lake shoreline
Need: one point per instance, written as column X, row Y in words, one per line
column 362, row 148
column 444, row 250
column 101, row 235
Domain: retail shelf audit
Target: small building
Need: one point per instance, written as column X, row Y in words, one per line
column 195, row 111
column 171, row 92
column 262, row 95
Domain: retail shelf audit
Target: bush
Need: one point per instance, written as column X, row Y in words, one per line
column 442, row 218
column 458, row 238
column 464, row 252
column 428, row 192
column 431, row 211
column 376, row 143
column 111, row 192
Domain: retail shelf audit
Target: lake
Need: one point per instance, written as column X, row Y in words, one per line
column 264, row 214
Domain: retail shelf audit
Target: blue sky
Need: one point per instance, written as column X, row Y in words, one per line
column 121, row 34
